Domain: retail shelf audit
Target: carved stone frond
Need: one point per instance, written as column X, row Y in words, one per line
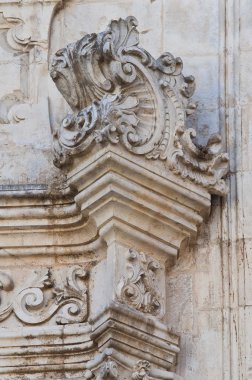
column 139, row 288
column 203, row 165
column 120, row 94
column 67, row 299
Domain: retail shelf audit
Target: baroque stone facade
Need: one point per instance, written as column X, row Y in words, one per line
column 124, row 253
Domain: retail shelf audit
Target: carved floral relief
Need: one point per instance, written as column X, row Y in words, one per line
column 110, row 370
column 141, row 370
column 140, row 288
column 46, row 297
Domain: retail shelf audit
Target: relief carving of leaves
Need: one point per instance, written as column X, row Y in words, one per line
column 139, row 289
column 69, row 300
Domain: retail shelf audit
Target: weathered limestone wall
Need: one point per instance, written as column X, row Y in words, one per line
column 208, row 292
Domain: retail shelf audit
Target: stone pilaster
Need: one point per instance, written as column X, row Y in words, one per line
column 92, row 301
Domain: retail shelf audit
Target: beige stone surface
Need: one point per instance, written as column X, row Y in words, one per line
column 66, row 234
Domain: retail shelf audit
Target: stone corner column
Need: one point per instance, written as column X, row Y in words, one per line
column 138, row 174
column 84, row 267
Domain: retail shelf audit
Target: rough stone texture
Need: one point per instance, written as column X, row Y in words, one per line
column 44, row 234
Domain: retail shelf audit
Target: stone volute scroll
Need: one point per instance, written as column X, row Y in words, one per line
column 140, row 187
column 120, row 94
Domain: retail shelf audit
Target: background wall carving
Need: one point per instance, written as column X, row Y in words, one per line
column 24, row 30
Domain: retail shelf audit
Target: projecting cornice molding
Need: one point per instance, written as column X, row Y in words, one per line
column 120, row 94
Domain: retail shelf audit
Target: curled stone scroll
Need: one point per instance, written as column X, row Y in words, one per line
column 68, row 299
column 120, row 94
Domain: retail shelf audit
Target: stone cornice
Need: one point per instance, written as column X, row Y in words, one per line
column 106, row 176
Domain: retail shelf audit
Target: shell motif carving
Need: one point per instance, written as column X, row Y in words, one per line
column 120, row 94
column 32, row 305
column 139, row 288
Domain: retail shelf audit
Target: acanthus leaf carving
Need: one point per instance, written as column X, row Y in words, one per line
column 139, row 288
column 101, row 73
column 111, row 365
column 72, row 298
column 108, row 371
column 105, row 368
column 200, row 164
column 114, row 114
column 68, row 300
column 141, row 370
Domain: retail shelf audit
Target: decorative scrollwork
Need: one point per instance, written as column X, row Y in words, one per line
column 109, row 371
column 120, row 94
column 141, row 370
column 39, row 302
column 114, row 115
column 113, row 364
column 140, row 288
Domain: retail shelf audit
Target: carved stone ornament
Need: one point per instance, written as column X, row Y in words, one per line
column 110, row 371
column 112, row 365
column 139, row 289
column 141, row 370
column 32, row 306
column 120, row 94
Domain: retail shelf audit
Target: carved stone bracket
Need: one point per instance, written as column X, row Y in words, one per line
column 141, row 370
column 109, row 370
column 120, row 94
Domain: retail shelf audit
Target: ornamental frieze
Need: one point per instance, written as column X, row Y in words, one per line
column 46, row 297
